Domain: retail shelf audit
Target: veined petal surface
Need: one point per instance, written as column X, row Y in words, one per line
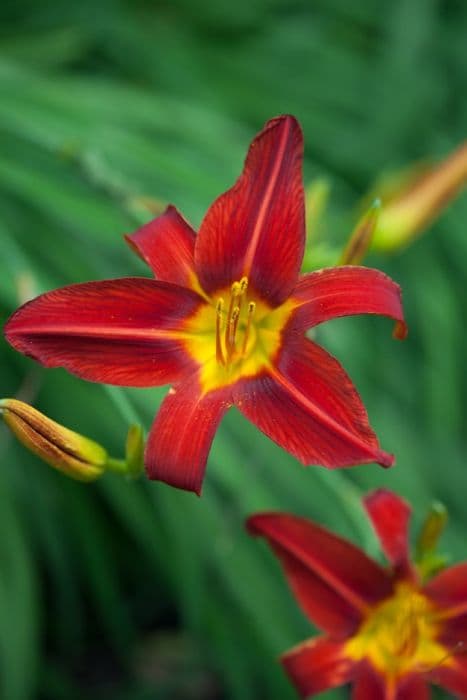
column 182, row 434
column 345, row 291
column 334, row 581
column 167, row 245
column 124, row 331
column 308, row 405
column 257, row 228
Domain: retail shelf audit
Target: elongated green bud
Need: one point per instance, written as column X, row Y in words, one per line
column 428, row 560
column 134, row 450
column 361, row 237
column 432, row 528
column 75, row 455
column 408, row 211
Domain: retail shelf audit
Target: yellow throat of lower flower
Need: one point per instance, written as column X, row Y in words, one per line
column 399, row 635
column 235, row 335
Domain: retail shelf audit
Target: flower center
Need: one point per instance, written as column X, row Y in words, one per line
column 235, row 335
column 399, row 634
column 233, row 326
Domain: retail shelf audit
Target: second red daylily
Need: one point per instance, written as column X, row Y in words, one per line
column 386, row 631
column 225, row 323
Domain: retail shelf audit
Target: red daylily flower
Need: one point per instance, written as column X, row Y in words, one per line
column 386, row 632
column 225, row 323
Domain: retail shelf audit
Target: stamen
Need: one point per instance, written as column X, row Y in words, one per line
column 219, row 312
column 227, row 323
column 235, row 290
column 232, row 331
column 251, row 311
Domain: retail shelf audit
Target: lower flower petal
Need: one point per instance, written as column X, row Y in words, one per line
column 452, row 676
column 413, row 687
column 308, row 405
column 390, row 516
column 182, row 434
column 346, row 291
column 167, row 245
column 125, row 331
column 371, row 685
column 334, row 581
column 317, row 665
column 449, row 590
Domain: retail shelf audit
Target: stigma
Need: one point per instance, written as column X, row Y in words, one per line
column 233, row 324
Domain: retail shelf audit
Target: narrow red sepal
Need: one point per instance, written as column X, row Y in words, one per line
column 182, row 433
column 167, row 245
column 390, row 516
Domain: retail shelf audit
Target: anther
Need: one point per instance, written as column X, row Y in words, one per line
column 232, row 331
column 243, row 285
column 219, row 313
column 251, row 311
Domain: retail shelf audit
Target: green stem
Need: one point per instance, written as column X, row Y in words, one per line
column 116, row 465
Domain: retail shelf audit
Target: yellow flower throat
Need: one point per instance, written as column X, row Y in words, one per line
column 228, row 347
column 235, row 335
column 399, row 635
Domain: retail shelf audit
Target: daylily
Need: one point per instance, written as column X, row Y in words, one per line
column 225, row 323
column 387, row 631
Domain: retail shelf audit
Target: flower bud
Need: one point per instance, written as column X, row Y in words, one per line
column 134, row 450
column 73, row 454
column 361, row 237
column 432, row 528
column 406, row 213
column 429, row 562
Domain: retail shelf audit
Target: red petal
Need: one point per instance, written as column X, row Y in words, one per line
column 167, row 244
column 372, row 686
column 369, row 685
column 449, row 590
column 317, row 665
column 124, row 331
column 390, row 517
column 453, row 634
column 182, row 433
column 452, row 676
column 257, row 228
column 334, row 581
column 309, row 406
column 346, row 291
column 413, row 687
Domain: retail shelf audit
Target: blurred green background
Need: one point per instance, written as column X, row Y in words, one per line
column 134, row 591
